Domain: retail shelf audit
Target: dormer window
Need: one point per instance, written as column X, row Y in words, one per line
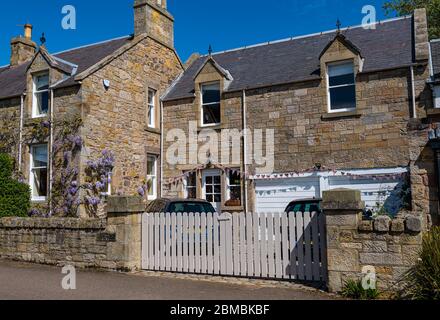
column 341, row 87
column 40, row 104
column 211, row 104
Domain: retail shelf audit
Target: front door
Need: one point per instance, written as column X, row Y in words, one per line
column 212, row 188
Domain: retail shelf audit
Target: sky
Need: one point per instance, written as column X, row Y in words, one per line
column 225, row 24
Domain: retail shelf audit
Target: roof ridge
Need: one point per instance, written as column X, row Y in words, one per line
column 307, row 36
column 435, row 40
column 91, row 45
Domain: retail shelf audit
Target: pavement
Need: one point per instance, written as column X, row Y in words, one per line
column 21, row 281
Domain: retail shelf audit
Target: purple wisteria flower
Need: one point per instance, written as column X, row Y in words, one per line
column 45, row 124
column 93, row 201
column 99, row 186
column 141, row 191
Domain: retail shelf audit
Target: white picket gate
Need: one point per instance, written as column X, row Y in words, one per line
column 271, row 246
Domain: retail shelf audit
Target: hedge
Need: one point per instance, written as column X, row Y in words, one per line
column 15, row 197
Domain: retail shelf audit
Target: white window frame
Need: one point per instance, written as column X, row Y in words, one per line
column 35, row 92
column 153, row 176
column 151, row 119
column 31, row 171
column 329, row 101
column 202, row 118
column 437, row 97
column 229, row 185
column 109, row 186
column 186, row 186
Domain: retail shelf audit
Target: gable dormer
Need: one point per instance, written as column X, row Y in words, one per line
column 340, row 62
column 43, row 72
column 210, row 81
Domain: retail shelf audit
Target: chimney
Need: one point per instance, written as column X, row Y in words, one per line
column 23, row 48
column 152, row 17
column 421, row 37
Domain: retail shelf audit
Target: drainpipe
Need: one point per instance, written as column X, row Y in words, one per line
column 51, row 151
column 245, row 153
column 413, row 93
column 20, row 141
column 161, row 148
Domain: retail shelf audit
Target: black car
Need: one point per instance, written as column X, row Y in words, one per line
column 180, row 206
column 306, row 205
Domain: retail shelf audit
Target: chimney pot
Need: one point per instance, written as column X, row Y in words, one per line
column 28, row 31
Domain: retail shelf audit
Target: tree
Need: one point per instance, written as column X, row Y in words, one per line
column 406, row 7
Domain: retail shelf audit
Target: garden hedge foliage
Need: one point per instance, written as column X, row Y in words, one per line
column 15, row 197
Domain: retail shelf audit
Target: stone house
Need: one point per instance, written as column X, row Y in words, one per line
column 349, row 108
column 113, row 87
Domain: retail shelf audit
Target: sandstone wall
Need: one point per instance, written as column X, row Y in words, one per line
column 389, row 246
column 116, row 119
column 112, row 243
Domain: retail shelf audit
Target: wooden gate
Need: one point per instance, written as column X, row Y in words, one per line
column 271, row 246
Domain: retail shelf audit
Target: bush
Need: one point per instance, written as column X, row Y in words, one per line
column 15, row 197
column 422, row 281
column 354, row 290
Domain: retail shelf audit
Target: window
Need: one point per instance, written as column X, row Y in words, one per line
column 234, row 186
column 191, row 186
column 437, row 97
column 211, row 104
column 40, row 104
column 342, row 87
column 107, row 190
column 152, row 176
column 39, row 172
column 151, row 108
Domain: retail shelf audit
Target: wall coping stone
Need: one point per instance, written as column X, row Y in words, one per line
column 339, row 201
column 121, row 204
column 53, row 223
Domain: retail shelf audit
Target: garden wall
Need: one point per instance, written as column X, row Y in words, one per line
column 391, row 246
column 112, row 243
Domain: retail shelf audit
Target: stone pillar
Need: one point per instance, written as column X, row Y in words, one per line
column 124, row 218
column 343, row 213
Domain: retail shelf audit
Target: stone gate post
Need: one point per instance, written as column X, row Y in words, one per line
column 124, row 219
column 343, row 213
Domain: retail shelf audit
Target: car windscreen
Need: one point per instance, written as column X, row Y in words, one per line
column 304, row 207
column 188, row 207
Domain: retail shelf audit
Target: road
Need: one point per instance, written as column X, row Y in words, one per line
column 19, row 281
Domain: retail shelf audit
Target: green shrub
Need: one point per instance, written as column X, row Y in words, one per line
column 354, row 290
column 422, row 281
column 15, row 197
column 6, row 166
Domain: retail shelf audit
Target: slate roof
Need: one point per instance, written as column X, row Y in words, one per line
column 297, row 59
column 435, row 54
column 13, row 80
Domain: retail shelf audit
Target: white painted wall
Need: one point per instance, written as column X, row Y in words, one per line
column 274, row 195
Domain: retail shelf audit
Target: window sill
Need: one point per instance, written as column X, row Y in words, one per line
column 433, row 111
column 39, row 200
column 343, row 114
column 213, row 127
column 151, row 130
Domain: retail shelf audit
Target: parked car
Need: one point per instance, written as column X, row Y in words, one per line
column 306, row 205
column 180, row 206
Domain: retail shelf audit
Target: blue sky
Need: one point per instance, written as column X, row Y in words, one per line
column 226, row 24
